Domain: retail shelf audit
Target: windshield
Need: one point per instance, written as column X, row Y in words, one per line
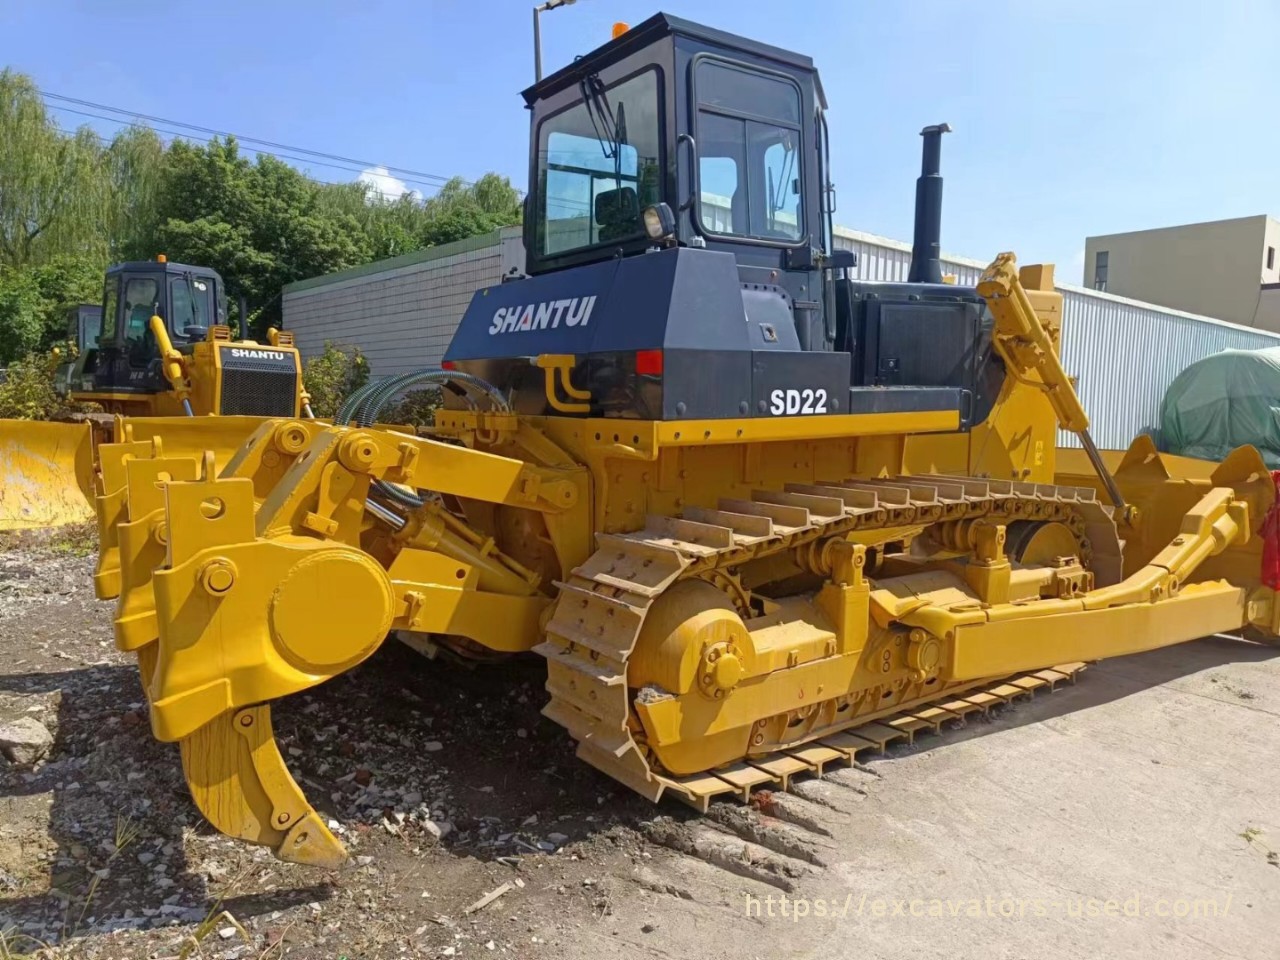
column 748, row 153
column 191, row 299
column 599, row 165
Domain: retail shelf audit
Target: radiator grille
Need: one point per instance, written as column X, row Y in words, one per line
column 258, row 388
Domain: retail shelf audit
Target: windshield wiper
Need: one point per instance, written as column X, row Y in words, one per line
column 601, row 115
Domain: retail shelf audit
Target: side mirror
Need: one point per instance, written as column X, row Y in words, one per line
column 195, row 333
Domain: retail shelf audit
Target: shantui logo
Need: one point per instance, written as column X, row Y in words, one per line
column 259, row 354
column 574, row 312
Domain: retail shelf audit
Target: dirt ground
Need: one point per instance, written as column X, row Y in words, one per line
column 1132, row 813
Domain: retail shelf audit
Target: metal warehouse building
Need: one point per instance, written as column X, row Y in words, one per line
column 402, row 313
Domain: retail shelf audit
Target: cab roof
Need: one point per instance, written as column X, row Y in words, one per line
column 658, row 26
column 155, row 266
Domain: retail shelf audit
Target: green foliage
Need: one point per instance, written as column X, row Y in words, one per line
column 35, row 301
column 459, row 211
column 333, row 376
column 416, row 408
column 54, row 195
column 29, row 390
column 258, row 223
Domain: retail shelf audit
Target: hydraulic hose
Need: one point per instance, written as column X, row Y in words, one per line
column 365, row 404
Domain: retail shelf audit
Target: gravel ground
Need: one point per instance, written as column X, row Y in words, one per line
column 1153, row 778
column 444, row 783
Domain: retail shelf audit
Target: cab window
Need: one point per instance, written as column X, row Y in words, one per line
column 141, row 303
column 599, row 165
column 191, row 303
column 110, row 310
column 748, row 133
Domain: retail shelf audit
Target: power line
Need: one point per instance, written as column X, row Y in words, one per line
column 435, row 178
column 282, row 156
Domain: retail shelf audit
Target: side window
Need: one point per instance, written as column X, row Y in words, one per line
column 748, row 133
column 181, row 306
column 721, row 163
column 110, row 309
column 141, row 303
column 781, row 203
column 89, row 324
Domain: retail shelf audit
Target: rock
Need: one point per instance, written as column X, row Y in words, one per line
column 226, row 933
column 412, row 798
column 431, row 746
column 649, row 928
column 363, row 776
column 438, row 828
column 25, row 740
column 448, row 952
column 557, row 838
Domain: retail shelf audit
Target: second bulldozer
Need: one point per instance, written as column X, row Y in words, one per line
column 756, row 516
column 160, row 347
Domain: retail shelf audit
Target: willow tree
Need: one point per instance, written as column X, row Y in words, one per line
column 53, row 190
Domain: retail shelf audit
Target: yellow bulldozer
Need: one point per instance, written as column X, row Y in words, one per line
column 161, row 348
column 756, row 516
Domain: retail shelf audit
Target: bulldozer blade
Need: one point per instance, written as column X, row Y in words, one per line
column 46, row 474
column 240, row 783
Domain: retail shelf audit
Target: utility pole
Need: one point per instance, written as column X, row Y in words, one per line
column 537, row 32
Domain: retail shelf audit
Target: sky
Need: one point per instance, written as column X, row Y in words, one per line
column 1071, row 119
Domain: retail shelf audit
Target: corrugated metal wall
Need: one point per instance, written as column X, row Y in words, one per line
column 403, row 312
column 880, row 258
column 1123, row 353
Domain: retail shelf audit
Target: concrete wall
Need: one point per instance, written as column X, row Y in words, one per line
column 400, row 312
column 1269, row 305
column 1212, row 269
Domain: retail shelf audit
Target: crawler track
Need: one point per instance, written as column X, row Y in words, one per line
column 602, row 607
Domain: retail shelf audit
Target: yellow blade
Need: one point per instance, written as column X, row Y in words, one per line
column 46, row 474
column 240, row 783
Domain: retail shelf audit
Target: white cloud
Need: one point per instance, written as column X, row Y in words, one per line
column 385, row 185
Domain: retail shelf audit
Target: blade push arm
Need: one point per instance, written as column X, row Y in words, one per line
column 1024, row 345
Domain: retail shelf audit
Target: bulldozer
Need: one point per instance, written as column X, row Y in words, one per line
column 756, row 516
column 159, row 347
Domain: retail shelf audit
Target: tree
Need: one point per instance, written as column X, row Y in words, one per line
column 458, row 211
column 134, row 166
column 35, row 302
column 259, row 224
column 53, row 188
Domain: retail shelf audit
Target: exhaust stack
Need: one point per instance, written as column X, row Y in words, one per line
column 926, row 245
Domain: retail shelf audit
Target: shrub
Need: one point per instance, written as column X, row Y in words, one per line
column 29, row 390
column 333, row 376
column 416, row 408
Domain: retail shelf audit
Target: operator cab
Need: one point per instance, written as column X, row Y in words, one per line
column 723, row 130
column 125, row 358
column 680, row 256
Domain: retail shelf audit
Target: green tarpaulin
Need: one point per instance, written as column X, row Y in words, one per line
column 1223, row 401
